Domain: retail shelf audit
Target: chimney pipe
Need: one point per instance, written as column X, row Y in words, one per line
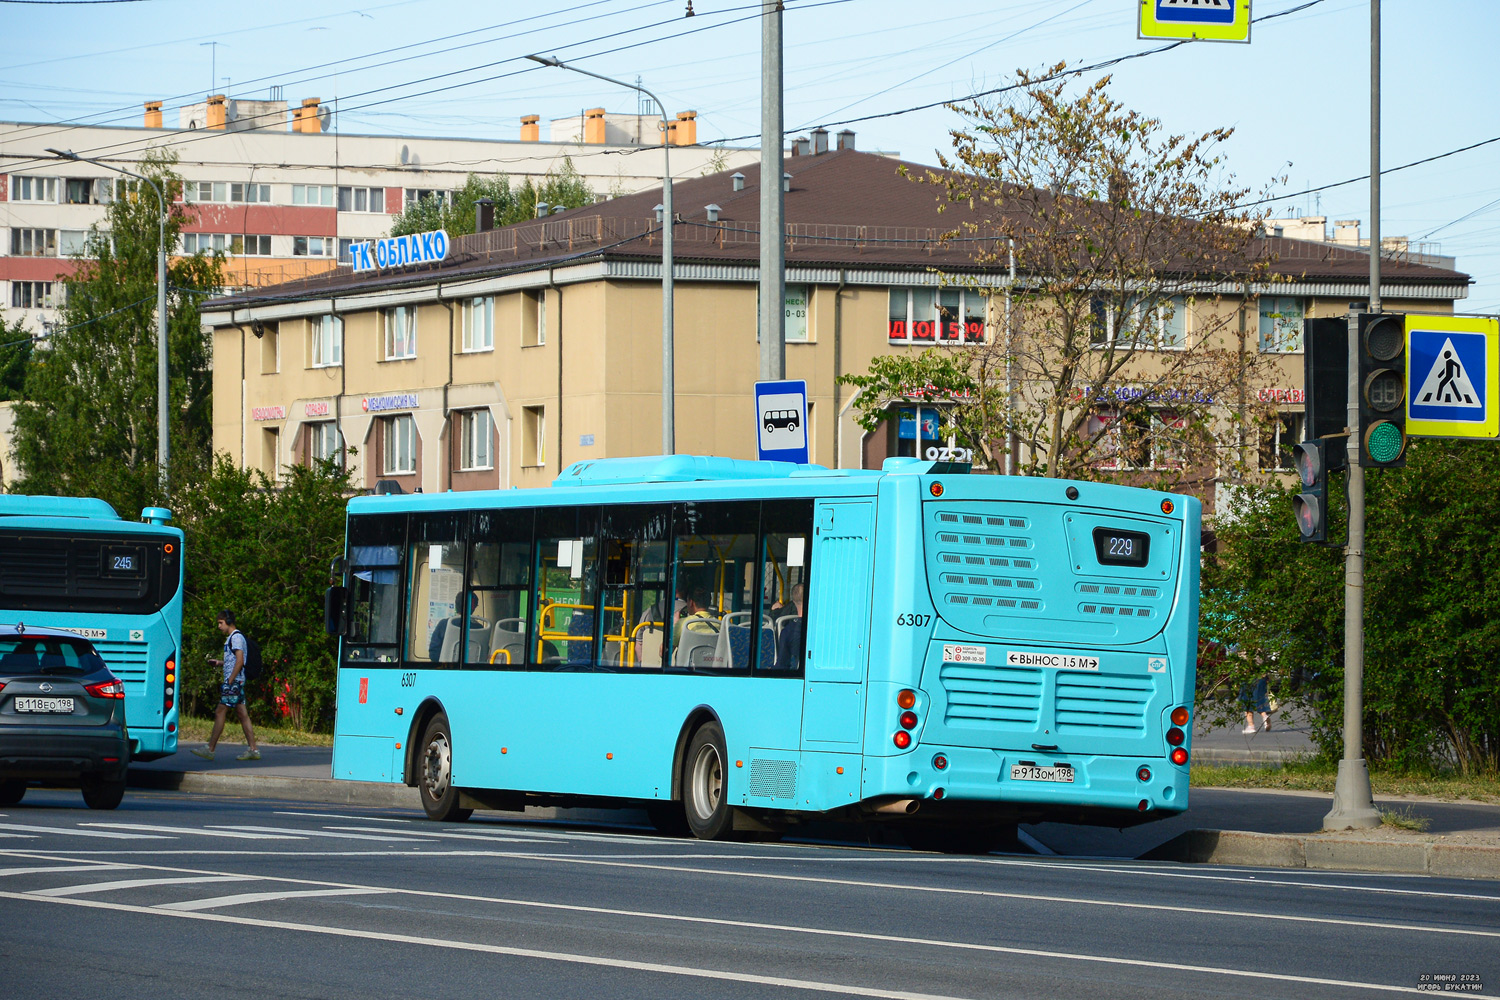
column 712, row 211
column 153, row 114
column 541, row 210
column 738, row 180
column 530, row 130
column 215, row 114
column 819, row 141
column 305, row 119
column 786, row 182
column 594, row 126
column 484, row 215
column 846, row 139
column 685, row 129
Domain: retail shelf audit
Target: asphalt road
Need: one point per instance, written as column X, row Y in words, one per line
column 191, row 896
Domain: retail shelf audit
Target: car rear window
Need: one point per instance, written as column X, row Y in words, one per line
column 48, row 654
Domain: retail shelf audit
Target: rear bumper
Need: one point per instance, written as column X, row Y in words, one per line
column 1104, row 789
column 65, row 755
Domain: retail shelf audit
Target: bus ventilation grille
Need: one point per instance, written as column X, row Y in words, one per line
column 1114, row 703
column 991, row 696
column 126, row 661
column 774, row 779
column 1105, row 598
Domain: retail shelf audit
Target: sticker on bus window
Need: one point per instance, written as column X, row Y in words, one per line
column 87, row 633
column 1059, row 661
column 962, row 654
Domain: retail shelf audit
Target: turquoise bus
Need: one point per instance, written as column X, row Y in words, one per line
column 73, row 563
column 741, row 646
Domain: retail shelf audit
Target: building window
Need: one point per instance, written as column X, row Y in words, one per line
column 1172, row 323
column 33, row 189
column 227, row 192
column 534, row 318
column 400, row 333
column 1279, row 441
column 533, row 435
column 313, row 194
column 797, row 314
column 327, row 334
column 33, row 242
column 270, row 350
column 414, row 195
column 211, row 243
column 271, row 453
column 361, row 199
column 72, row 242
column 345, row 257
column 32, row 295
column 400, row 445
column 324, row 442
column 250, row 193
column 479, row 324
column 252, row 245
column 1137, row 440
column 1281, row 324
column 477, row 434
column 312, row 246
column 936, row 316
column 87, row 191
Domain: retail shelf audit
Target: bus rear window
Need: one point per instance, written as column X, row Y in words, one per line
column 112, row 574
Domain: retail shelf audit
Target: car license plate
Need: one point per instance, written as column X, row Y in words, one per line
column 1030, row 772
column 44, row 705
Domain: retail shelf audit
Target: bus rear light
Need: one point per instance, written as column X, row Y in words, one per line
column 908, row 720
column 902, row 739
column 1175, row 736
column 1167, row 507
column 906, row 698
column 936, row 489
column 940, row 763
column 1180, row 715
column 171, row 727
column 1143, row 806
column 1143, row 773
column 1180, row 756
column 106, row 689
column 938, row 793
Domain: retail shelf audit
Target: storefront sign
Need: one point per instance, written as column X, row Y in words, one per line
column 1142, row 394
column 399, row 251
column 397, row 401
column 948, row 331
column 318, row 409
column 1281, row 395
column 268, row 413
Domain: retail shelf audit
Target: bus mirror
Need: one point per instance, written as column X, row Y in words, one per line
column 336, row 570
column 335, row 600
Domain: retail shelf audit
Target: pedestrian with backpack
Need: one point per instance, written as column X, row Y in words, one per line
column 237, row 666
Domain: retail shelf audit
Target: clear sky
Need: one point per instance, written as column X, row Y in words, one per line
column 1297, row 95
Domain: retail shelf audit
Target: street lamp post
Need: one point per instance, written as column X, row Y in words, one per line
column 668, row 387
column 163, row 452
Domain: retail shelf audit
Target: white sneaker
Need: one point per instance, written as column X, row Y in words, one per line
column 1249, row 730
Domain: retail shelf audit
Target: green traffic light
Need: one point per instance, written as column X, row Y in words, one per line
column 1384, row 441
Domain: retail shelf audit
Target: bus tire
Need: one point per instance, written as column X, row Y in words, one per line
column 435, row 774
column 667, row 818
column 101, row 794
column 705, row 798
column 11, row 792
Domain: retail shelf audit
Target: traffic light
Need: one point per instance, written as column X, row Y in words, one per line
column 1382, row 390
column 1311, row 505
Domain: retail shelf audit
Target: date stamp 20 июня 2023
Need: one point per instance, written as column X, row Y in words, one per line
column 1450, row 982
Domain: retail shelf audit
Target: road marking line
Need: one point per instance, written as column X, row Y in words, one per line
column 83, row 867
column 321, row 833
column 443, row 834
column 204, row 832
column 73, row 832
column 845, row 989
column 133, row 883
column 240, row 899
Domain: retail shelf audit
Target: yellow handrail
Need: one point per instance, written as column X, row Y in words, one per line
column 499, row 652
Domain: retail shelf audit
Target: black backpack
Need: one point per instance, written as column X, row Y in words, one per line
column 252, row 657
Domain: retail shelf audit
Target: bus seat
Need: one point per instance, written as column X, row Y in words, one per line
column 451, row 635
column 648, row 643
column 789, row 643
column 767, row 647
column 509, row 634
column 581, row 650
column 695, row 649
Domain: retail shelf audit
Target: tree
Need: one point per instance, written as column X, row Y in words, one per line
column 1118, row 231
column 455, row 216
column 87, row 425
column 16, row 345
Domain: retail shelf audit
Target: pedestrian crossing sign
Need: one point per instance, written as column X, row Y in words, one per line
column 1452, row 363
column 1205, row 20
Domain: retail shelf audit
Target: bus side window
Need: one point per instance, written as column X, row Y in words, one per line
column 566, row 568
column 435, row 583
column 714, row 544
column 500, row 582
column 376, row 542
column 786, row 562
column 635, row 610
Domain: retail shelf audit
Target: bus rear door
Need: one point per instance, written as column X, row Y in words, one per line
column 838, row 624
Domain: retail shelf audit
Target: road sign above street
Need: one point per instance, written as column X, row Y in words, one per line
column 781, row 421
column 1452, row 365
column 1204, row 20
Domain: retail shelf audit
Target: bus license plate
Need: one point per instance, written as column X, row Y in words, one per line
column 1030, row 772
column 44, row 705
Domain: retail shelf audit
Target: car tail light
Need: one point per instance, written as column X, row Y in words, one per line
column 940, row 763
column 1143, row 774
column 106, row 689
column 908, row 720
column 1179, row 756
column 906, row 698
column 902, row 739
column 1175, row 736
column 1180, row 715
column 2, row 685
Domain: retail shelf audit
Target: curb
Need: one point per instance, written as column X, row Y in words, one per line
column 1322, row 851
column 1219, row 756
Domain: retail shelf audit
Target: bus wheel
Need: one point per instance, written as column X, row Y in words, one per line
column 667, row 818
column 704, row 798
column 101, row 794
column 439, row 797
column 11, row 792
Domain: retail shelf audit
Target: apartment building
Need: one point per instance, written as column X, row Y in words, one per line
column 282, row 193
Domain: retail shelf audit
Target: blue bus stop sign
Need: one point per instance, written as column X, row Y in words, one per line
column 781, row 421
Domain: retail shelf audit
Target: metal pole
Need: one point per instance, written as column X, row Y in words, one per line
column 668, row 304
column 772, row 200
column 1353, row 802
column 163, row 447
column 1010, row 370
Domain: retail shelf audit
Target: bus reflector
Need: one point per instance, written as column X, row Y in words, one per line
column 936, row 489
column 609, row 756
column 739, row 763
column 940, row 763
column 1175, row 737
column 902, row 739
column 908, row 720
column 1167, row 507
column 505, row 750
column 1143, row 774
column 906, row 698
column 1179, row 756
column 1180, row 716
column 938, row 793
column 1145, row 804
column 838, row 770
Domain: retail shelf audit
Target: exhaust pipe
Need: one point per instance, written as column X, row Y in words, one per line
column 900, row 807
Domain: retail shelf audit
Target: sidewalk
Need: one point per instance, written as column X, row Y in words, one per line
column 1251, row 827
column 1287, row 739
